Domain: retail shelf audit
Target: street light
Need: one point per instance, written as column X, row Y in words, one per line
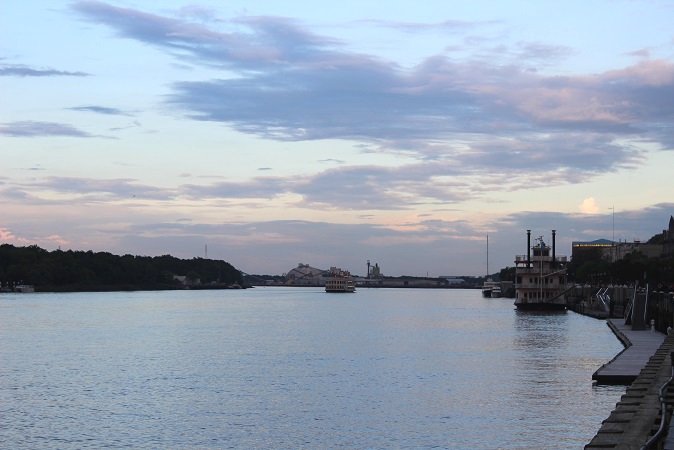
column 612, row 208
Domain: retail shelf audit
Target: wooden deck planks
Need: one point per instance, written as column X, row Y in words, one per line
column 626, row 367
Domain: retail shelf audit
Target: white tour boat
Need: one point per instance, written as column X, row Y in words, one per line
column 489, row 286
column 339, row 281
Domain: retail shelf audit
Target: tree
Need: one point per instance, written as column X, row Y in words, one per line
column 78, row 270
column 507, row 274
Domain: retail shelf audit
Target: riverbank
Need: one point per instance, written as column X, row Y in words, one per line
column 640, row 346
column 637, row 415
column 128, row 288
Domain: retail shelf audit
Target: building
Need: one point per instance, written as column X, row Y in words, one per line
column 184, row 280
column 610, row 251
column 648, row 250
column 668, row 239
column 592, row 250
column 453, row 281
column 305, row 275
column 603, row 249
column 373, row 271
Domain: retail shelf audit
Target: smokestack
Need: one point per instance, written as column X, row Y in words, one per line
column 528, row 248
column 553, row 247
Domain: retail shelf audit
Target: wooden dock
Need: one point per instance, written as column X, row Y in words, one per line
column 640, row 346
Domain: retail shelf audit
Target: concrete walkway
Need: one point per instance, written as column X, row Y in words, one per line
column 636, row 416
column 625, row 367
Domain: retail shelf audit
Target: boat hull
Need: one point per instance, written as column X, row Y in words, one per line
column 24, row 288
column 543, row 306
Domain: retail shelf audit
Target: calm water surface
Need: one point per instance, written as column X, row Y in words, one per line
column 297, row 368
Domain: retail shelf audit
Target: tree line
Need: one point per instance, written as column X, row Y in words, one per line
column 634, row 267
column 87, row 270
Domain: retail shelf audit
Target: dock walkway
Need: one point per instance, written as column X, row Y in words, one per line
column 640, row 346
column 637, row 415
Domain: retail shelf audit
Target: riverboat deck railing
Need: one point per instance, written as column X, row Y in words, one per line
column 522, row 259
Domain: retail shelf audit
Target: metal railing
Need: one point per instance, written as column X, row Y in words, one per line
column 646, row 306
column 663, row 406
column 604, row 298
column 628, row 309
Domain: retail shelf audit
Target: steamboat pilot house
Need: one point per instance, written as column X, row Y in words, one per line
column 540, row 280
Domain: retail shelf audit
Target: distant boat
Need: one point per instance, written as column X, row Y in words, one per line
column 541, row 282
column 496, row 291
column 339, row 281
column 24, row 288
column 489, row 286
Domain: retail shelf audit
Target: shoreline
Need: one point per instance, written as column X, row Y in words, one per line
column 631, row 423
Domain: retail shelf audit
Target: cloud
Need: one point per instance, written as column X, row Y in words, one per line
column 125, row 215
column 629, row 224
column 349, row 188
column 273, row 42
column 589, row 206
column 260, row 188
column 381, row 188
column 277, row 246
column 460, row 106
column 17, row 70
column 31, row 129
column 100, row 110
column 450, row 26
column 490, row 111
column 541, row 53
column 200, row 13
column 8, row 237
column 65, row 189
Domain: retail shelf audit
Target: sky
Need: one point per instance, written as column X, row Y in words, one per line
column 426, row 137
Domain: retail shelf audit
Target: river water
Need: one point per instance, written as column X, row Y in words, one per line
column 297, row 368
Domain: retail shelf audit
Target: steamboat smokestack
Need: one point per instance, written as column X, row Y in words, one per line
column 553, row 248
column 528, row 248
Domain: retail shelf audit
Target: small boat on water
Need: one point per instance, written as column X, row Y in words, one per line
column 24, row 288
column 339, row 281
column 489, row 286
column 540, row 281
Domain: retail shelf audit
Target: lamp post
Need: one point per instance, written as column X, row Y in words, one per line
column 612, row 208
